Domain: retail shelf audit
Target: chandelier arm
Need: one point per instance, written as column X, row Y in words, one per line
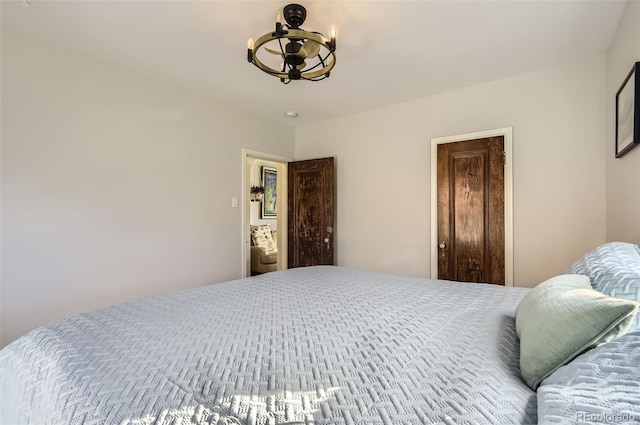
column 282, row 50
column 322, row 62
column 317, row 78
column 284, row 59
column 258, row 63
column 320, row 72
column 262, row 69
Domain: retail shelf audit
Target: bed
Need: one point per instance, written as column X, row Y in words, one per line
column 315, row 345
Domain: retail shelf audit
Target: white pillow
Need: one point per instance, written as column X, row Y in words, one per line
column 261, row 237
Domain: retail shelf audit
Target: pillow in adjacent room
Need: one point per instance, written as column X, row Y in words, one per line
column 562, row 318
column 261, row 236
column 614, row 270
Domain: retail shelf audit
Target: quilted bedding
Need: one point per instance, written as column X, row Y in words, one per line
column 317, row 345
column 600, row 386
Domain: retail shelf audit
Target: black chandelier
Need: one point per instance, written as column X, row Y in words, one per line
column 305, row 56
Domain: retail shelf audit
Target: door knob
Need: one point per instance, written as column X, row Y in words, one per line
column 442, row 245
column 327, row 240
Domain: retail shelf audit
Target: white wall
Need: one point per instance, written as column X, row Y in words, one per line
column 114, row 187
column 623, row 174
column 383, row 166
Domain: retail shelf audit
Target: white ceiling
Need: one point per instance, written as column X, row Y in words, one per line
column 387, row 51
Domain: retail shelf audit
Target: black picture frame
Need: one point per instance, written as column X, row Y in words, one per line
column 269, row 201
column 628, row 112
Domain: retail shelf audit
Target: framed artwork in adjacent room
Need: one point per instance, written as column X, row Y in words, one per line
column 628, row 112
column 270, row 182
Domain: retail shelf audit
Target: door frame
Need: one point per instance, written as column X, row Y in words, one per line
column 508, row 195
column 281, row 206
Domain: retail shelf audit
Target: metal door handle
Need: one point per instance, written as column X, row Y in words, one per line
column 327, row 240
column 442, row 245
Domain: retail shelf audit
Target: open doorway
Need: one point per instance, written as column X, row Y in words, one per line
column 264, row 224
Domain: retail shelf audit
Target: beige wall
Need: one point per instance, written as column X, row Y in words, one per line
column 113, row 187
column 383, row 166
column 101, row 167
column 623, row 174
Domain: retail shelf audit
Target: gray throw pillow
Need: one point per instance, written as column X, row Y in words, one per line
column 562, row 318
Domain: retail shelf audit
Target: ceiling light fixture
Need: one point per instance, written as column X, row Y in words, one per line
column 305, row 56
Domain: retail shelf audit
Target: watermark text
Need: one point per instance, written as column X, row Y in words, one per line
column 606, row 418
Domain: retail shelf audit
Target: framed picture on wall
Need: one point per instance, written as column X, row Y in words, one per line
column 270, row 182
column 628, row 112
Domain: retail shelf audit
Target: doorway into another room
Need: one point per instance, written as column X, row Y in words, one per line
column 288, row 216
column 265, row 213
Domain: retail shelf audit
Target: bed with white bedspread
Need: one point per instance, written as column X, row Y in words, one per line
column 316, row 345
column 319, row 345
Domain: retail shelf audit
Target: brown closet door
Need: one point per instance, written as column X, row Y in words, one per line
column 311, row 212
column 471, row 211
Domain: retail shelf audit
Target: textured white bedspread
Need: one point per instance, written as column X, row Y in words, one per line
column 318, row 345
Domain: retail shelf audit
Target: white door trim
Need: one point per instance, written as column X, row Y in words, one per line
column 508, row 196
column 245, row 256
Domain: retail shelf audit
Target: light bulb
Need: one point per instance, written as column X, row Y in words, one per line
column 250, row 44
column 333, row 32
column 278, row 18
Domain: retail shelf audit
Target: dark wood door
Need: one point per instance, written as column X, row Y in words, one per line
column 471, row 211
column 311, row 212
